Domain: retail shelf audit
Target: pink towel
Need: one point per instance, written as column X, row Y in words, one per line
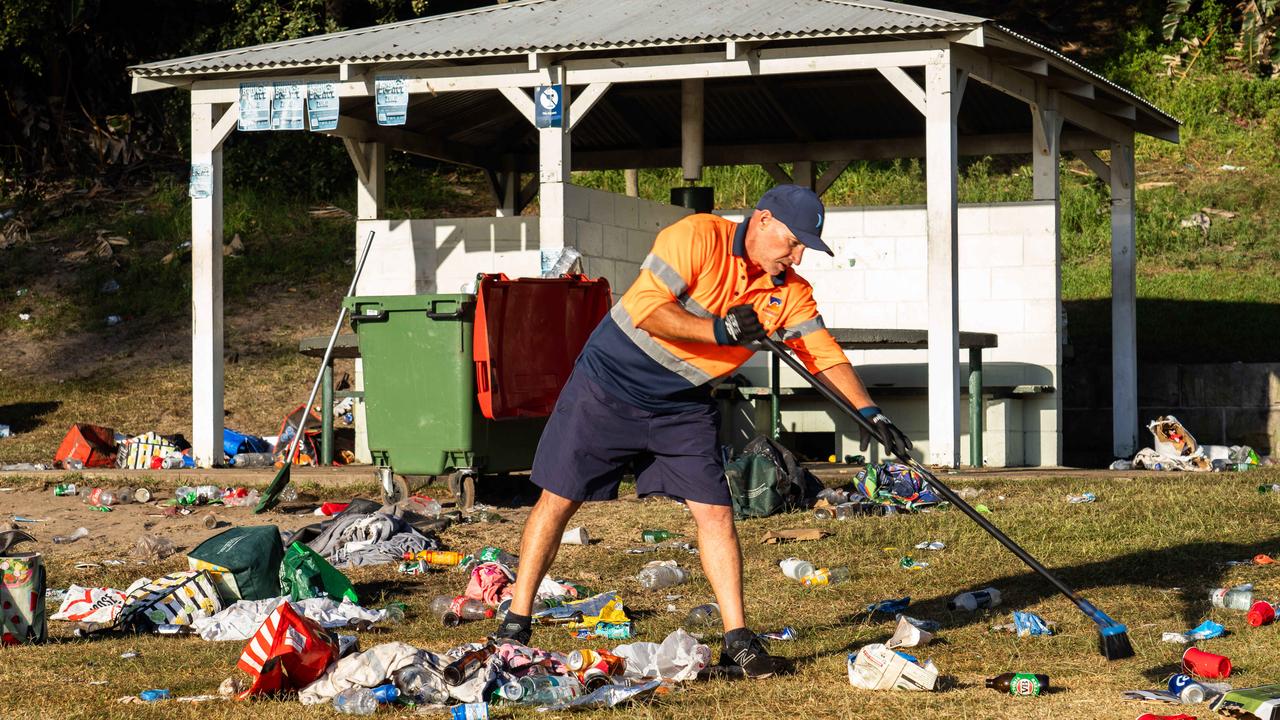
column 490, row 583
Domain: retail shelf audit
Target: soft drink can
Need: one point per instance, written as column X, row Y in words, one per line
column 785, row 633
column 594, row 677
column 582, row 659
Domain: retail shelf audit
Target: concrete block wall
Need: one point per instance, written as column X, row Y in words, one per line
column 1218, row 403
column 413, row 257
column 1009, row 285
column 614, row 232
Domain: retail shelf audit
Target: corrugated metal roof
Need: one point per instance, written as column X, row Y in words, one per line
column 565, row 25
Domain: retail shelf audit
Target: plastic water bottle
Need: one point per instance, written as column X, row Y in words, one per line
column 971, row 601
column 1236, row 598
column 414, row 682
column 253, row 460
column 81, row 532
column 393, row 613
column 355, row 701
column 660, row 576
column 825, row 576
column 564, row 263
column 834, row 496
column 795, row 568
column 704, row 614
column 453, row 610
column 548, row 689
column 101, row 497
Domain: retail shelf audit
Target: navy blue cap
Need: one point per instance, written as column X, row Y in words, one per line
column 800, row 210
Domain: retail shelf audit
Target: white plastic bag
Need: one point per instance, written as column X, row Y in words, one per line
column 91, row 605
column 679, row 657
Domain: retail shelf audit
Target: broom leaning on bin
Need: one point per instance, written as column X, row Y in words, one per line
column 272, row 495
column 1113, row 638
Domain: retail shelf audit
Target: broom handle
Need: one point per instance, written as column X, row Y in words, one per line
column 328, row 353
column 942, row 489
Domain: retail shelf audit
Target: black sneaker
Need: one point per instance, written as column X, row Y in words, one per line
column 514, row 631
column 742, row 649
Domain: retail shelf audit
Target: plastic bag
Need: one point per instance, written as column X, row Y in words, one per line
column 305, row 574
column 93, row 605
column 679, row 657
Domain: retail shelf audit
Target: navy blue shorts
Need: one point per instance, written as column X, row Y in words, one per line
column 593, row 437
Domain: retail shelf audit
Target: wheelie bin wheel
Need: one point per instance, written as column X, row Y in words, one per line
column 394, row 490
column 463, row 486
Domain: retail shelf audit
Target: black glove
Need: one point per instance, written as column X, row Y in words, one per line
column 739, row 327
column 895, row 442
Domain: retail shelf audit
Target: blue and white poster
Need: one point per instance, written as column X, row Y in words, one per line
column 201, row 185
column 391, row 100
column 548, row 106
column 287, row 104
column 322, row 106
column 255, row 107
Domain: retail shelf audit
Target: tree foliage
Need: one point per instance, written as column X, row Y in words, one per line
column 1250, row 25
column 67, row 105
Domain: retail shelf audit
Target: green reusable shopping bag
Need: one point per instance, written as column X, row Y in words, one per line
column 766, row 479
column 305, row 574
column 243, row 561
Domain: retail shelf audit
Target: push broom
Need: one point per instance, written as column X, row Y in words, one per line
column 1113, row 637
column 272, row 496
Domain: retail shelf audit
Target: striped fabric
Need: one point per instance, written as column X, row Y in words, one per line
column 175, row 599
column 289, row 651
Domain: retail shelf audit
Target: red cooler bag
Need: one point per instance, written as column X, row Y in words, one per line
column 289, row 652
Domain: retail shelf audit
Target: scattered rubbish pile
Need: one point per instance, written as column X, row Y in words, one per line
column 1174, row 448
column 93, row 446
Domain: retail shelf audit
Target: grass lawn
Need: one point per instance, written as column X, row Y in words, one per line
column 1147, row 552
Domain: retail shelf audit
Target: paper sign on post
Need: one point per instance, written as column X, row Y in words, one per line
column 391, row 100
column 322, row 106
column 287, row 103
column 201, row 181
column 255, row 107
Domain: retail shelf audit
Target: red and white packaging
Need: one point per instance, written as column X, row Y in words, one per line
column 90, row 605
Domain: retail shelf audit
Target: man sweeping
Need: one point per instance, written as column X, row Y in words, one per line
column 639, row 396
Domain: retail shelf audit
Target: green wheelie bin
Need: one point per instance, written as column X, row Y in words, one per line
column 463, row 384
column 421, row 412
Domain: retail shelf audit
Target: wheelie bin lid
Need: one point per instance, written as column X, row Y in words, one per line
column 528, row 333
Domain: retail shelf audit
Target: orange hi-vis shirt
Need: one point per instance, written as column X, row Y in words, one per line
column 700, row 263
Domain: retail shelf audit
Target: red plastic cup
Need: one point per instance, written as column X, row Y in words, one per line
column 1153, row 716
column 1262, row 613
column 1205, row 664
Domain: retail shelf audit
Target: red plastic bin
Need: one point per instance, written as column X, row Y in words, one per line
column 528, row 333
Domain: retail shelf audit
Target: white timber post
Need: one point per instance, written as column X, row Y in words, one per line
column 942, row 102
column 691, row 124
column 1046, row 135
column 554, row 163
column 370, row 160
column 1124, row 295
column 207, row 134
